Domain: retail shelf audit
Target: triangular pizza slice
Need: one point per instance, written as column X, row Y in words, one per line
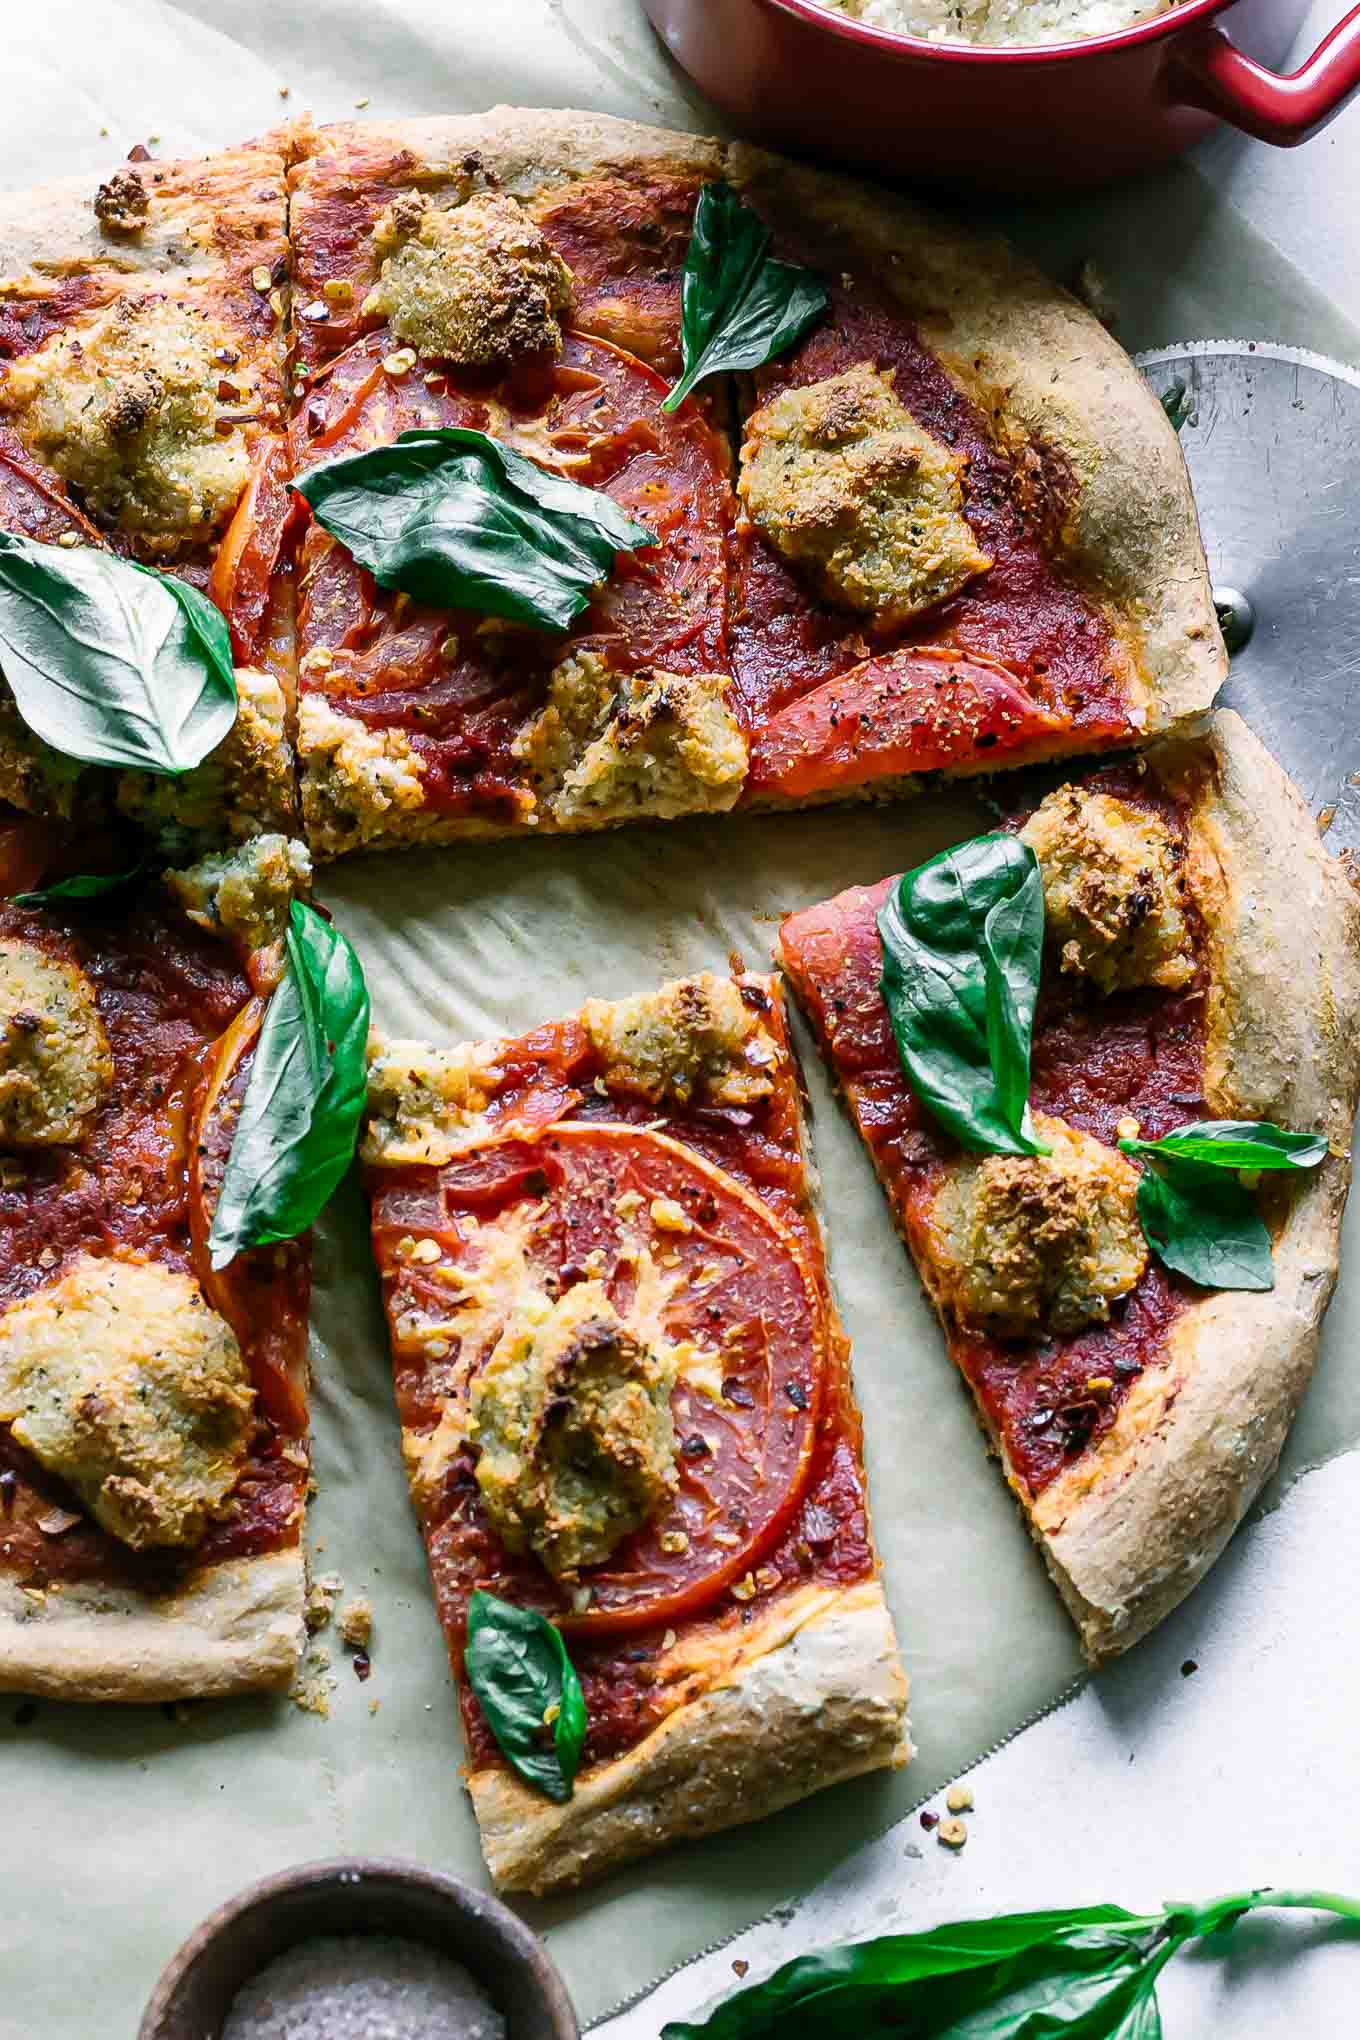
column 1131, row 1258
column 629, row 1426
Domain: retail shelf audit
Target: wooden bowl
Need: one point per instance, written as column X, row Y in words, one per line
column 358, row 1895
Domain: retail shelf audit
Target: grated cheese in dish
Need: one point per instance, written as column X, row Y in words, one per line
column 363, row 1987
column 1011, row 22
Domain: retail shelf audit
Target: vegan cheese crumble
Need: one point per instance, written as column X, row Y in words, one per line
column 1010, row 22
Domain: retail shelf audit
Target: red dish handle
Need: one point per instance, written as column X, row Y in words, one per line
column 1213, row 74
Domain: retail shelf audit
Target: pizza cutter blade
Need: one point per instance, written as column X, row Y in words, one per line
column 1271, row 435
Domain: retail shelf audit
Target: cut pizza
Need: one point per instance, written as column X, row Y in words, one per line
column 629, row 1426
column 142, row 414
column 153, row 1314
column 818, row 494
column 1106, row 1062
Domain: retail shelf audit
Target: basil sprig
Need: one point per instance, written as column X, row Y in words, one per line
column 459, row 521
column 1090, row 1973
column 300, row 1115
column 1198, row 1217
column 84, row 886
column 739, row 307
column 517, row 1665
column 110, row 662
column 963, row 939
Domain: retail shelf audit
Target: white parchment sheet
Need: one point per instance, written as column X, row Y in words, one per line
column 124, row 1828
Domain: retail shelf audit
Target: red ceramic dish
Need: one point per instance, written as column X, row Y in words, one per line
column 1010, row 120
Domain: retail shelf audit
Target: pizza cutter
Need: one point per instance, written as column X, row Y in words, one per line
column 1271, row 435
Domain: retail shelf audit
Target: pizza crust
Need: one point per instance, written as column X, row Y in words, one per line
column 1135, row 1524
column 235, row 1627
column 817, row 1696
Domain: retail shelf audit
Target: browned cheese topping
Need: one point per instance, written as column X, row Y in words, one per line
column 1113, row 890
column 121, row 205
column 845, row 484
column 572, row 1417
column 473, row 284
column 1042, row 1242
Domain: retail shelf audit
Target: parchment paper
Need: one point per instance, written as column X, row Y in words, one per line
column 124, row 1828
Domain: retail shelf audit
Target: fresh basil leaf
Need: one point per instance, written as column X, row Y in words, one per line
column 300, row 1115
column 87, row 886
column 110, row 662
column 925, row 1983
column 459, row 521
column 963, row 940
column 1236, row 1144
column 1176, row 402
column 1205, row 1225
column 517, row 1665
column 739, row 307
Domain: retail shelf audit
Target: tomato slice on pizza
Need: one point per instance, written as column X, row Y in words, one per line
column 627, row 1413
column 889, row 539
column 1137, row 1325
column 153, row 1450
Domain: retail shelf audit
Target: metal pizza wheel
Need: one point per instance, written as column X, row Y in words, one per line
column 1271, row 435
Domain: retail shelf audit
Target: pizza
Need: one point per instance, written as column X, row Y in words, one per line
column 142, row 411
column 153, row 1456
column 626, row 1408
column 1200, row 965
column 945, row 529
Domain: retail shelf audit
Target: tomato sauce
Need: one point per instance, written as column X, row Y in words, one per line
column 165, row 993
column 817, row 1527
column 1094, row 1062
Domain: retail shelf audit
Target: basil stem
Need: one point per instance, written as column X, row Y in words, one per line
column 459, row 521
column 86, row 886
column 963, row 939
column 110, row 662
column 517, row 1665
column 1091, row 1972
column 300, row 1115
column 739, row 307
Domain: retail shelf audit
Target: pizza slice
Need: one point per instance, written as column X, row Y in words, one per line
column 142, row 333
column 858, row 498
column 153, row 1451
column 629, row 1426
column 1137, row 1320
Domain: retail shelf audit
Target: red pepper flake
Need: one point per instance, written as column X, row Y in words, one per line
column 1189, row 1668
column 139, row 153
column 930, row 1820
column 363, row 1665
column 740, row 1968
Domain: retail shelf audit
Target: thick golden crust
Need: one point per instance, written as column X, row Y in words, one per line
column 1131, row 1528
column 1062, row 393
column 230, row 1628
column 817, row 1695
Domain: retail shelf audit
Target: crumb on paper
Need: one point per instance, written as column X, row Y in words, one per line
column 322, row 1594
column 953, row 1834
column 739, row 1968
column 1326, row 818
column 312, row 1686
column 960, row 1799
column 1189, row 1668
column 929, row 1820
column 374, row 1705
column 355, row 1622
column 360, row 104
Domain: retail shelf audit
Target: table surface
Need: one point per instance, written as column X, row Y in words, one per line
column 1220, row 1754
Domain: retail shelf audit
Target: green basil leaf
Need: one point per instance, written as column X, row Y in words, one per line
column 300, row 1115
column 926, row 1984
column 963, row 940
column 87, row 886
column 739, row 307
column 517, row 1665
column 110, row 662
column 1236, row 1144
column 1176, row 402
column 1205, row 1225
column 459, row 521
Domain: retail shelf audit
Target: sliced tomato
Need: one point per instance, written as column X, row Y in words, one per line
column 907, row 711
column 244, row 567
column 727, row 1284
column 32, row 499
column 262, row 1293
